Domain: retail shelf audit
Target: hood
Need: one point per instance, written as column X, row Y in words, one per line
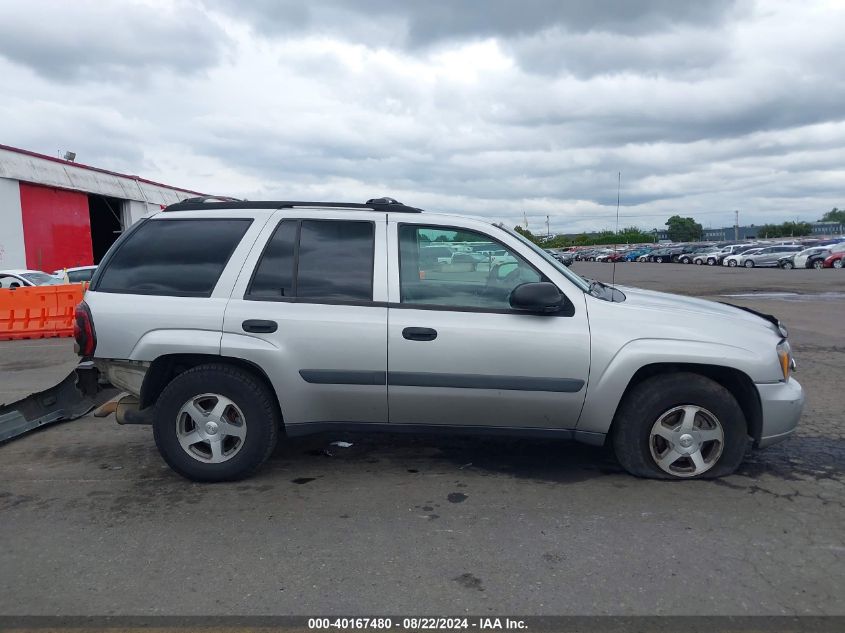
column 678, row 304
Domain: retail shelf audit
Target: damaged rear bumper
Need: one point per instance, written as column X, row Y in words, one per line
column 72, row 398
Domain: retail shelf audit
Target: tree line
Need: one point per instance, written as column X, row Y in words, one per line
column 679, row 229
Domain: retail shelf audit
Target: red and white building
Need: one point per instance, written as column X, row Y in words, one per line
column 57, row 214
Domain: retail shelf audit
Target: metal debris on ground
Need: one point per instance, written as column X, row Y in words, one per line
column 56, row 404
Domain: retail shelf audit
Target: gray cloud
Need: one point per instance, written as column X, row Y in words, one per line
column 435, row 21
column 89, row 39
column 510, row 108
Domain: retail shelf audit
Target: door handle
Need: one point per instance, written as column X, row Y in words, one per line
column 259, row 326
column 419, row 333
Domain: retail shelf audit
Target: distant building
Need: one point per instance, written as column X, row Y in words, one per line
column 727, row 234
column 56, row 213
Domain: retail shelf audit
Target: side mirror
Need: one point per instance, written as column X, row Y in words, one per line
column 537, row 297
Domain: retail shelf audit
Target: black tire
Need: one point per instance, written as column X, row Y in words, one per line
column 658, row 259
column 788, row 266
column 818, row 264
column 711, row 261
column 251, row 395
column 645, row 403
column 837, row 263
column 731, row 263
column 748, row 263
column 685, row 260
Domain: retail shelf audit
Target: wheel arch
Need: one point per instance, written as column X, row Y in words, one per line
column 167, row 367
column 737, row 382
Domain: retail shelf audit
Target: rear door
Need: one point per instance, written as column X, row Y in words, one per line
column 310, row 309
column 458, row 354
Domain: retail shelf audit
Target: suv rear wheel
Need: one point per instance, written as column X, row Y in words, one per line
column 679, row 426
column 216, row 423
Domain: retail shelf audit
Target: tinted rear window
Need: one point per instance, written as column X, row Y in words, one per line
column 331, row 260
column 181, row 258
column 76, row 276
column 274, row 275
column 335, row 260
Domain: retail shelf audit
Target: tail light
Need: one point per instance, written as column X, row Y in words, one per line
column 83, row 331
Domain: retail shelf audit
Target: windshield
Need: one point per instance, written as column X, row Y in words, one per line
column 582, row 283
column 41, row 279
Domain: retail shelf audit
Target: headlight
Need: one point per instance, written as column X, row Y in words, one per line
column 782, row 329
column 785, row 358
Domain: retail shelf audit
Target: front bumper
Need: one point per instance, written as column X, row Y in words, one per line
column 782, row 403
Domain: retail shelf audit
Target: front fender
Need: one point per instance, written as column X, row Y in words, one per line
column 609, row 381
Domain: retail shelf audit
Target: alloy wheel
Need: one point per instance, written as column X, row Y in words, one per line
column 686, row 441
column 211, row 428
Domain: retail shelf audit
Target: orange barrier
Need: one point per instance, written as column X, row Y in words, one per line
column 38, row 311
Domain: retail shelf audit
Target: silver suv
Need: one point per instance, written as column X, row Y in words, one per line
column 231, row 323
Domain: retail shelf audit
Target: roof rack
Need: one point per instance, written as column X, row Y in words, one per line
column 207, row 199
column 203, row 203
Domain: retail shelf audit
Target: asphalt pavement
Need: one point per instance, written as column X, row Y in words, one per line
column 94, row 523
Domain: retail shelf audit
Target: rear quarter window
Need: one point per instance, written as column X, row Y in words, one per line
column 179, row 257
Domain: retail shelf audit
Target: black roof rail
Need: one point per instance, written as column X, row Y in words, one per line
column 204, row 203
column 206, row 199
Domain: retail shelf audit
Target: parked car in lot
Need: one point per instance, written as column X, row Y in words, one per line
column 233, row 324
column 688, row 256
column 564, row 257
column 709, row 257
column 730, row 249
column 816, row 260
column 787, row 261
column 636, row 254
column 834, row 260
column 735, row 258
column 684, row 253
column 767, row 256
column 660, row 256
column 803, row 258
column 23, row 278
column 75, row 275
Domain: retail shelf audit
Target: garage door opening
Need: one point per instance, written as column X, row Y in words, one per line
column 105, row 223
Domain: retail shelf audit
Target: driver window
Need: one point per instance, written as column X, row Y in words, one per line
column 458, row 268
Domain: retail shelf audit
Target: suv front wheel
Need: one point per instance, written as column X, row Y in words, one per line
column 216, row 423
column 679, row 426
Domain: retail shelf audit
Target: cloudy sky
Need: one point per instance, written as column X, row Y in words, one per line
column 491, row 107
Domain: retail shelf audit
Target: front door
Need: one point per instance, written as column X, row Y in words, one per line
column 458, row 354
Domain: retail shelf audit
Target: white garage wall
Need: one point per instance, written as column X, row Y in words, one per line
column 12, row 252
column 133, row 210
